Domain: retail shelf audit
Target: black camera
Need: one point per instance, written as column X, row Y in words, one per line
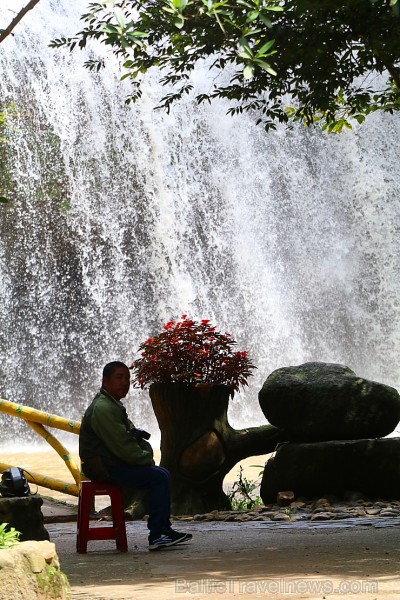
column 140, row 434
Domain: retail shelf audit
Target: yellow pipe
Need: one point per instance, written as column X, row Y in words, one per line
column 48, row 482
column 32, row 414
column 58, row 447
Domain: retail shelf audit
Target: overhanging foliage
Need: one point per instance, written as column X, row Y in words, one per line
column 307, row 60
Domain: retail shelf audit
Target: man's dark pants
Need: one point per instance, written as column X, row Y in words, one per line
column 157, row 481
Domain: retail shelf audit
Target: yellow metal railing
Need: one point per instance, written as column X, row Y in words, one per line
column 37, row 419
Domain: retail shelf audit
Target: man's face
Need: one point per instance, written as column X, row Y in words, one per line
column 117, row 385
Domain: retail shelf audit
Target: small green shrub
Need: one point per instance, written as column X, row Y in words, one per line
column 53, row 583
column 8, row 536
column 241, row 494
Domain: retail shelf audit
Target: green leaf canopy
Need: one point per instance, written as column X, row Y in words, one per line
column 315, row 61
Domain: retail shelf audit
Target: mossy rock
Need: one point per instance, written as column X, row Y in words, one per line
column 371, row 467
column 322, row 401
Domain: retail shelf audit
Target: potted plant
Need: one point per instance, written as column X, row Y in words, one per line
column 192, row 352
column 192, row 370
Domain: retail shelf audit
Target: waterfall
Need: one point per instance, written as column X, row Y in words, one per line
column 123, row 218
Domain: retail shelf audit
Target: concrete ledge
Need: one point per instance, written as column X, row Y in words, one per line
column 32, row 570
column 25, row 516
column 54, row 511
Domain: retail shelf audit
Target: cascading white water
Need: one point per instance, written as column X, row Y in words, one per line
column 289, row 240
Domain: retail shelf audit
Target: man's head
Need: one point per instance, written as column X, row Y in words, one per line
column 116, row 379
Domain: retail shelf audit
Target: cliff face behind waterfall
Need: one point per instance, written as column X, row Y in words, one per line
column 123, row 218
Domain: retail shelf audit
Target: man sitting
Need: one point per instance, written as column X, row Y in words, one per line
column 113, row 451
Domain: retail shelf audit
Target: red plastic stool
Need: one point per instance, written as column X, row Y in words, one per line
column 87, row 491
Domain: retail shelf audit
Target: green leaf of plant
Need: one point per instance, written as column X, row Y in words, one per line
column 252, row 16
column 247, row 51
column 179, row 22
column 266, row 20
column 4, row 200
column 140, row 34
column 179, row 4
column 264, row 65
column 248, row 71
column 119, row 15
column 108, row 28
column 265, row 48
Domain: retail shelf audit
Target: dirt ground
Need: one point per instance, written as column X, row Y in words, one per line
column 237, row 560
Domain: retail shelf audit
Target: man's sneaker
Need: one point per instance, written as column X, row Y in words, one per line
column 170, row 538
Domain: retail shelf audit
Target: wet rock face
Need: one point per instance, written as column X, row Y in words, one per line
column 322, row 401
column 25, row 515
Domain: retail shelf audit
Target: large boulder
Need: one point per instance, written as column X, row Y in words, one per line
column 321, row 401
column 371, row 467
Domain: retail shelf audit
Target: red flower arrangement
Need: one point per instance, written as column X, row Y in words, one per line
column 188, row 351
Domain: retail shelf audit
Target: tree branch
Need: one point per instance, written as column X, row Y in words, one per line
column 395, row 73
column 6, row 32
column 252, row 441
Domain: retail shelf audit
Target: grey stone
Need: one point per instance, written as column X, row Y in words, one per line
column 322, row 401
column 322, row 516
column 280, row 517
column 284, row 498
column 373, row 511
column 389, row 513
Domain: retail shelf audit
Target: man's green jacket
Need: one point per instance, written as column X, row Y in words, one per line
column 106, row 437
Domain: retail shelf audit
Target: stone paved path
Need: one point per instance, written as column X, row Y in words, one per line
column 352, row 558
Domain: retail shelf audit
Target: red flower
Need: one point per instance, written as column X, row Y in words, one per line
column 186, row 323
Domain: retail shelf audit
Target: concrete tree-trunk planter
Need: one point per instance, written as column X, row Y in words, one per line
column 199, row 446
